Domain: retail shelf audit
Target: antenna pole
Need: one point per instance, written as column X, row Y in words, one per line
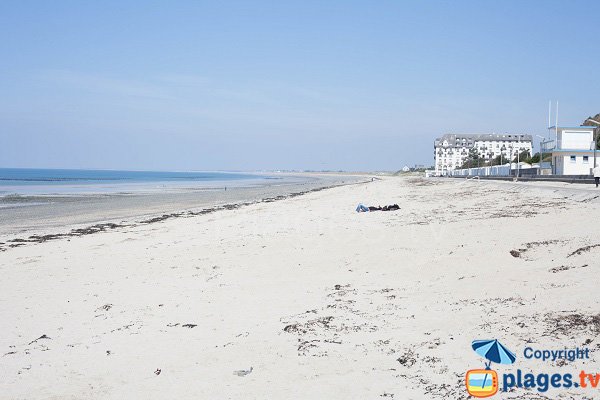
column 556, row 127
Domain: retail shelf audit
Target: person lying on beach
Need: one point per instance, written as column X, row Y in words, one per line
column 362, row 208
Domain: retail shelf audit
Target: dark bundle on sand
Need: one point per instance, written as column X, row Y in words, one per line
column 393, row 207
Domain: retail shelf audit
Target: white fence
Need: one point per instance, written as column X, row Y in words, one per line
column 497, row 170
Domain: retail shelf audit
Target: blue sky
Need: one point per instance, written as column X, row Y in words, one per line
column 355, row 85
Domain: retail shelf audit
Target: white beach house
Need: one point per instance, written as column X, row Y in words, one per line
column 572, row 150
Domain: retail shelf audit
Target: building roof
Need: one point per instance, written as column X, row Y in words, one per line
column 574, row 127
column 470, row 138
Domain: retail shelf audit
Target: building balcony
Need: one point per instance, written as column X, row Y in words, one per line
column 551, row 145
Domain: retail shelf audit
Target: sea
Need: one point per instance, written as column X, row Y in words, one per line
column 52, row 200
column 29, row 181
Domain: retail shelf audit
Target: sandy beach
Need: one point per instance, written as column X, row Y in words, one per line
column 303, row 298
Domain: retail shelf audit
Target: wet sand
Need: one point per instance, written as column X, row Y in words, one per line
column 21, row 216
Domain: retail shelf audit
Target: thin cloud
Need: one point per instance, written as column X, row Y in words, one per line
column 107, row 85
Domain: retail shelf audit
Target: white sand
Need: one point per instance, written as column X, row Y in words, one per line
column 259, row 284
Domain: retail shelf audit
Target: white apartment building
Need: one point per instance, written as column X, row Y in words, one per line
column 452, row 150
column 572, row 150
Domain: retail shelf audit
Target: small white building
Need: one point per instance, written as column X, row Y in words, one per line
column 572, row 150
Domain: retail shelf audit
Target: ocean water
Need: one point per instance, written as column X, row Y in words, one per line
column 50, row 201
column 25, row 181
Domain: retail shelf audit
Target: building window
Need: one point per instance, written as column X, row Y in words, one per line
column 573, row 159
column 586, row 159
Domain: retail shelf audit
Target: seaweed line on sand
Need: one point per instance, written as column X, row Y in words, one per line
column 583, row 249
column 102, row 227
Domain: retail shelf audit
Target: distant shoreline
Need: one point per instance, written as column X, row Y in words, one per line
column 64, row 227
column 27, row 182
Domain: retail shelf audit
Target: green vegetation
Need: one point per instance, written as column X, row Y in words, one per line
column 524, row 156
column 589, row 123
column 474, row 160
